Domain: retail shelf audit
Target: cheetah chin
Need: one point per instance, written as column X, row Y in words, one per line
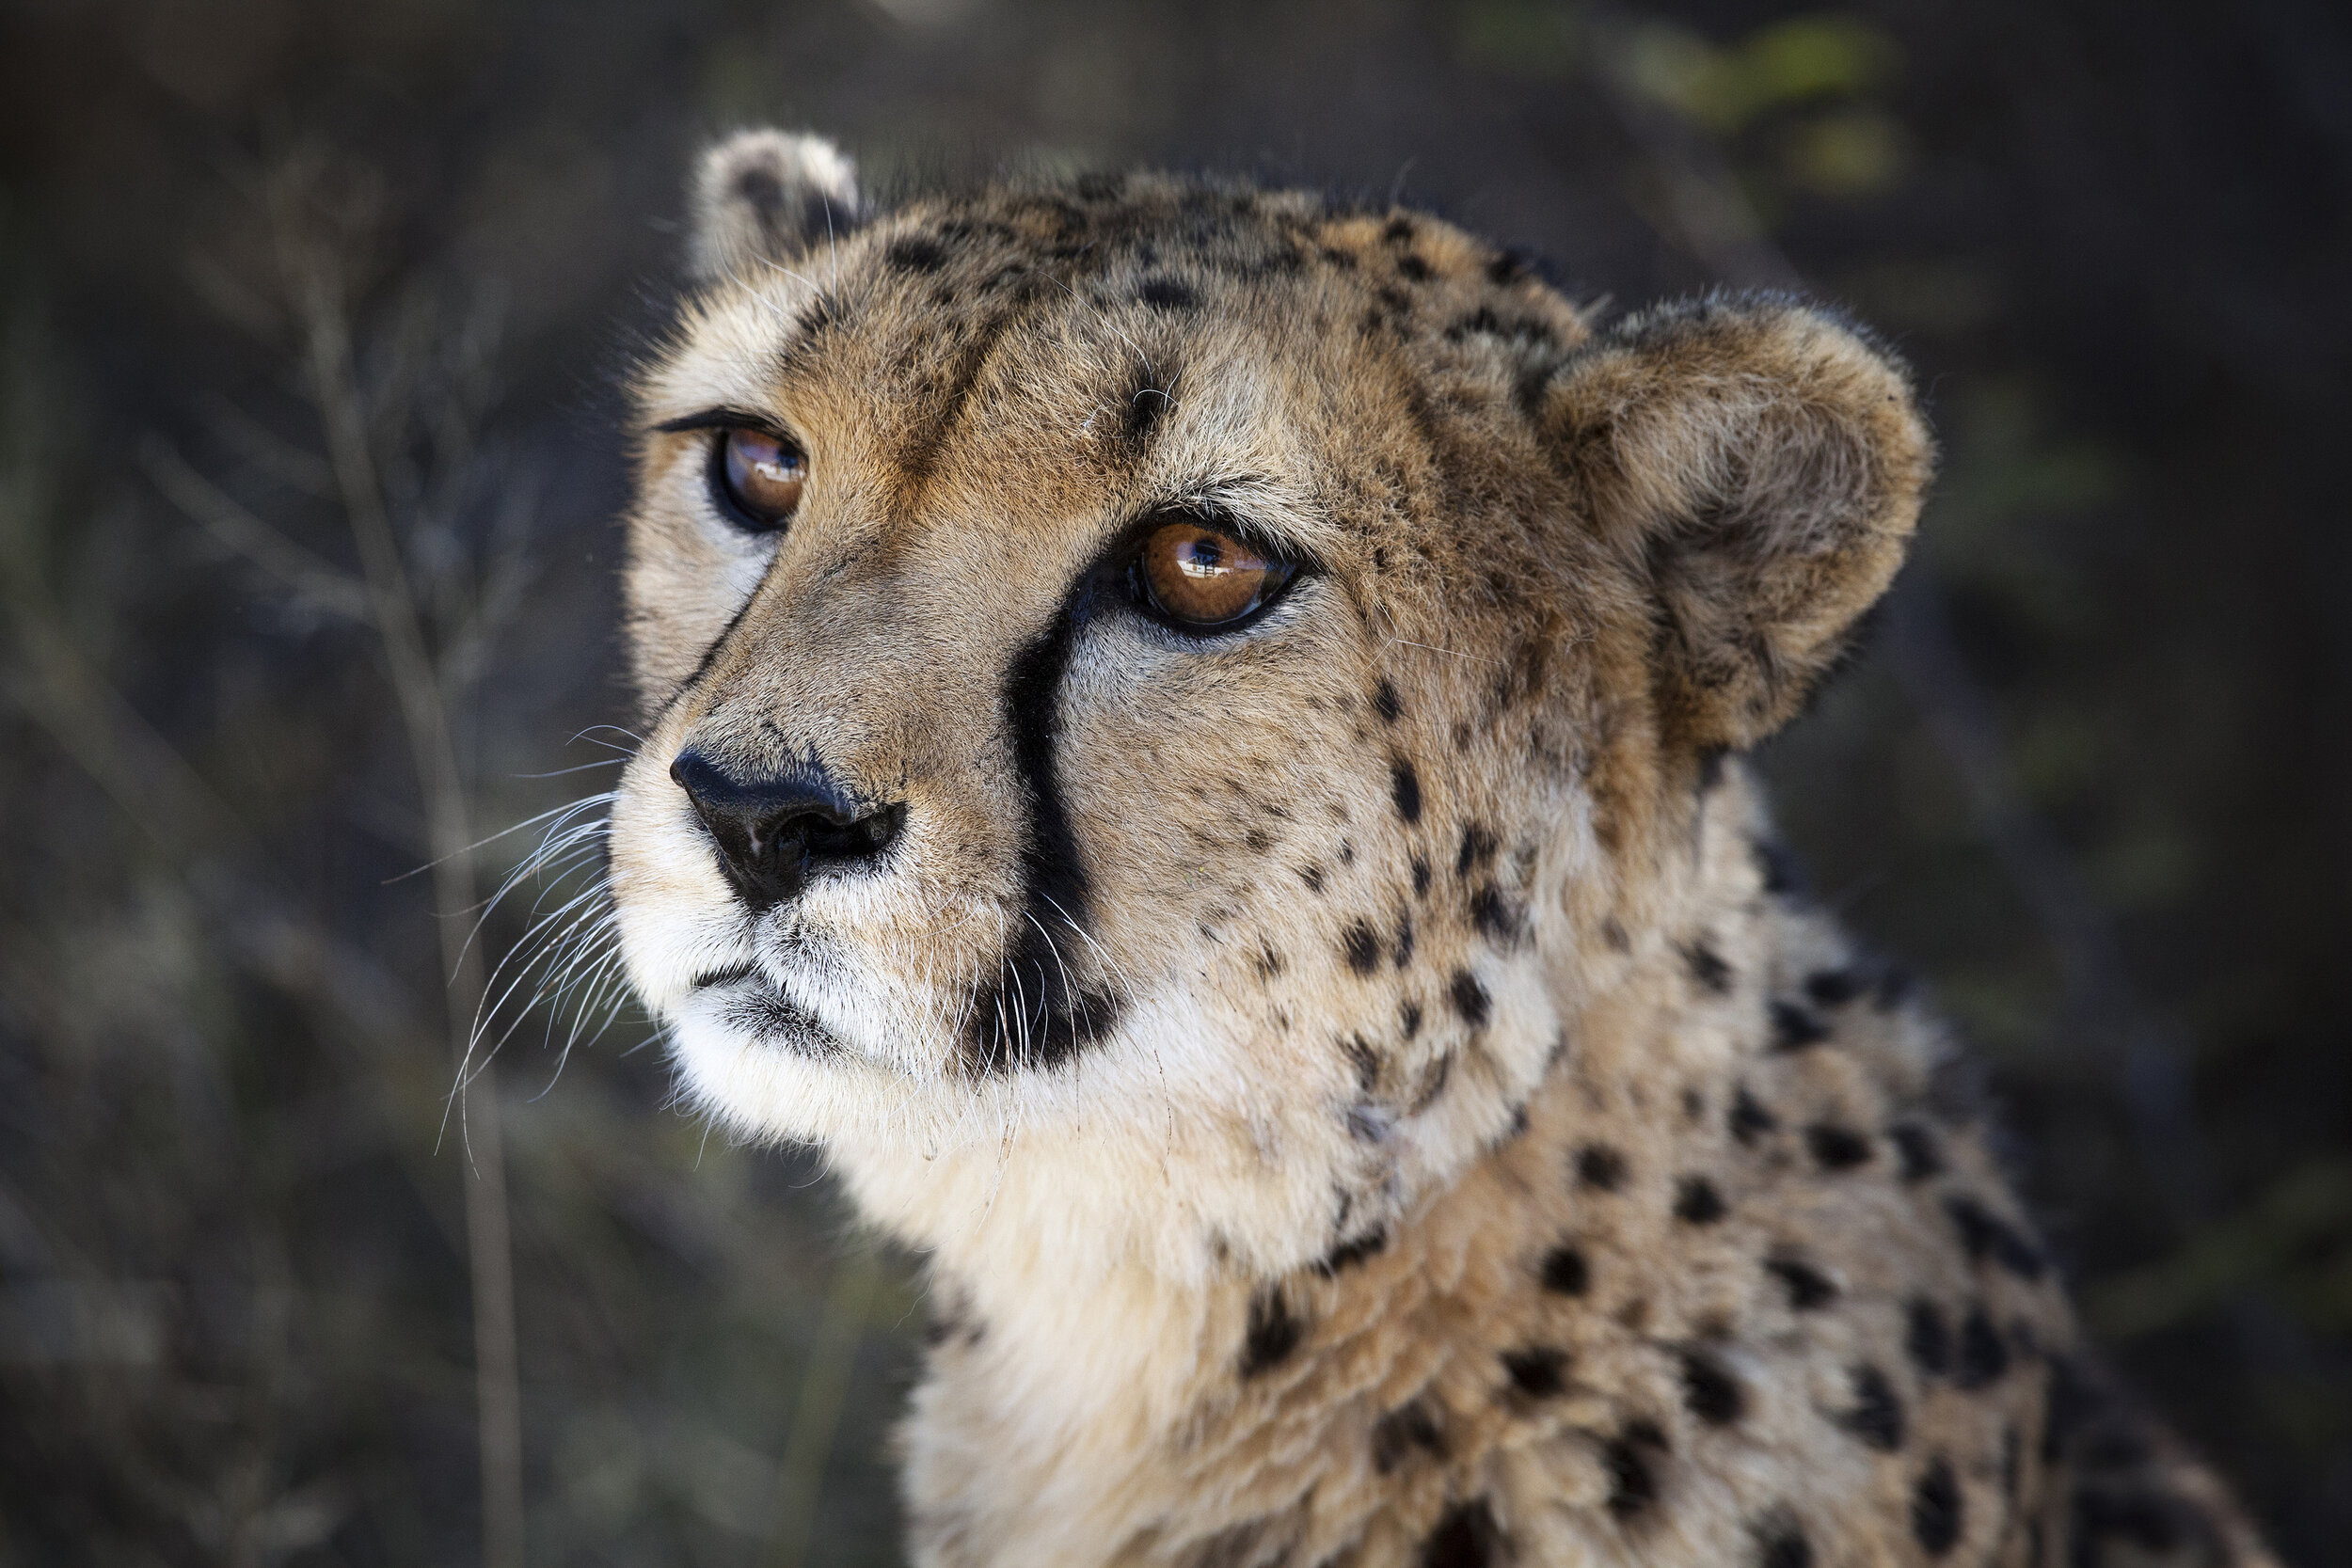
column 1192, row 741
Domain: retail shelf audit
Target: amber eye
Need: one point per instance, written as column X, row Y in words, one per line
column 761, row 477
column 1201, row 577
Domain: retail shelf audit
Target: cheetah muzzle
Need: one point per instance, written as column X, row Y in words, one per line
column 1191, row 742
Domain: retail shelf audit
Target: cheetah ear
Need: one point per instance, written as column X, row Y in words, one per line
column 763, row 195
column 1761, row 464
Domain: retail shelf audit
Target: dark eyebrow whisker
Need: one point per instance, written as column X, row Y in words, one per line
column 1216, row 504
column 724, row 419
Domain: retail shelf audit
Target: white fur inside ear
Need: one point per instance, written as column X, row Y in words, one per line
column 763, row 194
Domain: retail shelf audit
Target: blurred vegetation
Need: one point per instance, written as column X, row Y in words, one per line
column 2089, row 779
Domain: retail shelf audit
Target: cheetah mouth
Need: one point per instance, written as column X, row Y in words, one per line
column 750, row 1004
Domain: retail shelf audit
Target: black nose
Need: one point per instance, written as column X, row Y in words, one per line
column 774, row 833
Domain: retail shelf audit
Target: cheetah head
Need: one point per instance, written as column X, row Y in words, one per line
column 1163, row 701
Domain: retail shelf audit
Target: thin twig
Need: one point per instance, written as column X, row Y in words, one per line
column 817, row 1413
column 315, row 279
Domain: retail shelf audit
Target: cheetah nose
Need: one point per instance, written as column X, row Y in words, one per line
column 773, row 833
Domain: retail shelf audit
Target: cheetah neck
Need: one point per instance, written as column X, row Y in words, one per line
column 1673, row 1183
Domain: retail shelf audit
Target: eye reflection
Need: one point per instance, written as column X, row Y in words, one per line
column 1203, row 578
column 762, row 476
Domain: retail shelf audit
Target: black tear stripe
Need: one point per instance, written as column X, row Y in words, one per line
column 1035, row 1014
column 710, row 657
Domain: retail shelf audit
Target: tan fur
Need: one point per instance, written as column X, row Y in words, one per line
column 1399, row 1122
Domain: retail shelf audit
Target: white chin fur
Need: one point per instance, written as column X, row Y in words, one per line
column 1155, row 1147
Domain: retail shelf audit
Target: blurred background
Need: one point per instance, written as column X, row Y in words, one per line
column 309, row 318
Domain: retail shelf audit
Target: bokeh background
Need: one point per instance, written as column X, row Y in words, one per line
column 309, row 318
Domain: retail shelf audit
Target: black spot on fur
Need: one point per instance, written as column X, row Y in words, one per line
column 1565, row 1272
column 1808, row 1288
column 1478, row 847
column 1512, row 265
column 1421, row 876
column 1935, row 1509
column 1539, row 1372
column 1836, row 1148
column 1712, row 1394
column 1631, row 1487
column 1348, row 1254
column 1832, row 988
column 1469, row 999
column 1363, row 947
column 818, row 315
column 1268, row 963
column 1271, row 1334
column 1404, row 940
column 1793, row 1028
column 1983, row 1357
column 1397, row 1434
column 1313, row 877
column 1928, row 1337
column 944, row 1325
column 1465, row 1538
column 1433, row 1085
column 1779, row 1542
column 1384, row 702
column 915, row 253
column 1697, row 1202
column 1257, row 841
column 1167, row 294
column 1601, row 1166
column 1495, row 918
column 1749, row 1118
column 1413, row 268
column 1877, row 1415
column 1709, row 968
column 1361, row 1058
column 1408, row 1017
column 1986, row 1235
column 1399, row 232
column 1916, row 1148
column 1693, row 1105
column 1481, row 322
column 1404, row 789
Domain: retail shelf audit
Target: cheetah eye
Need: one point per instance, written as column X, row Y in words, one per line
column 1202, row 579
column 758, row 477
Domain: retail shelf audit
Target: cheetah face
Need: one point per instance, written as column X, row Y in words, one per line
column 1199, row 680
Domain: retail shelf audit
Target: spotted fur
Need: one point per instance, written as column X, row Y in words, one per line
column 1365, row 1084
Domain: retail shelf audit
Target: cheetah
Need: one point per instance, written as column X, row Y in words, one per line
column 1192, row 743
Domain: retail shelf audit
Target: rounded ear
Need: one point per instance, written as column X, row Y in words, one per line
column 763, row 195
column 1760, row 464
